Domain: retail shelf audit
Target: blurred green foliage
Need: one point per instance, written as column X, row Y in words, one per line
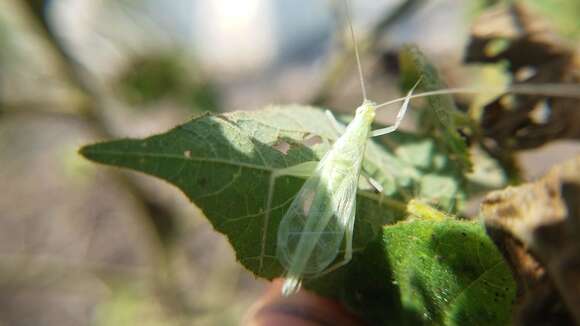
column 149, row 79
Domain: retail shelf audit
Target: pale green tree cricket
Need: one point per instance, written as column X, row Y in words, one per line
column 322, row 214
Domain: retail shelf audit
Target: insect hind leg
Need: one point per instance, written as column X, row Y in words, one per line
column 299, row 170
column 347, row 246
column 374, row 183
column 349, row 233
column 303, row 170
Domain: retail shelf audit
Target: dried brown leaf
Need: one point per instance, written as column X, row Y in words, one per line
column 535, row 55
column 537, row 227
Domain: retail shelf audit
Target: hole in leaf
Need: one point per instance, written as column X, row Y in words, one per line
column 312, row 140
column 282, row 146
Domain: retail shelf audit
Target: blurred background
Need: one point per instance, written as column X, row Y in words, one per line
column 82, row 244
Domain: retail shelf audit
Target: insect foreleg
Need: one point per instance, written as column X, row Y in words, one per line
column 338, row 127
column 400, row 115
column 399, row 118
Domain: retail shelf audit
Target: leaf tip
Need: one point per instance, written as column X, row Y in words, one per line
column 88, row 152
column 84, row 152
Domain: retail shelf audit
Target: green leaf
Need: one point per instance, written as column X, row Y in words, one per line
column 161, row 76
column 440, row 118
column 223, row 164
column 432, row 272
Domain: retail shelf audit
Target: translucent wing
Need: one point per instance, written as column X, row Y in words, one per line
column 312, row 231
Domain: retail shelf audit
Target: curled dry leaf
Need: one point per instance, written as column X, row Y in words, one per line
column 537, row 227
column 535, row 55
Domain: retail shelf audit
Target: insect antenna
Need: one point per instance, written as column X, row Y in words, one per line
column 347, row 8
column 549, row 90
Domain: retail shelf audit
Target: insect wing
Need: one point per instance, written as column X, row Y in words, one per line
column 312, row 230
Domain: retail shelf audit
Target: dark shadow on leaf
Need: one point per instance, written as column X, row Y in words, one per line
column 486, row 289
column 371, row 289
